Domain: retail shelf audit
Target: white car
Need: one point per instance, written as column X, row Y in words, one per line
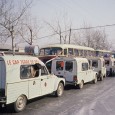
column 75, row 70
column 110, row 65
column 98, row 65
column 26, row 77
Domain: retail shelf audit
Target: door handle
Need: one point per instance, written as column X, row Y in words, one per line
column 34, row 82
column 41, row 79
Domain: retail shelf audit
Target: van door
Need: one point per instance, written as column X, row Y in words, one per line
column 34, row 88
column 2, row 77
column 58, row 68
column 69, row 71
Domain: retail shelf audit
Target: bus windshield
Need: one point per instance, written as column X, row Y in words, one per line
column 51, row 51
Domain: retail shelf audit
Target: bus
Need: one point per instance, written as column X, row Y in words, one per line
column 103, row 53
column 64, row 50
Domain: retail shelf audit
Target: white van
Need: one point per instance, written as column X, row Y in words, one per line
column 110, row 65
column 98, row 65
column 75, row 70
column 26, row 77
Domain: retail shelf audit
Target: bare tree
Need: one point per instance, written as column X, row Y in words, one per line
column 62, row 28
column 94, row 38
column 10, row 18
column 29, row 29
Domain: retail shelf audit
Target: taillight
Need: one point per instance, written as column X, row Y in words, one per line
column 74, row 78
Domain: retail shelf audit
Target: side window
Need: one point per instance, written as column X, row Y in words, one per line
column 48, row 65
column 114, row 63
column 95, row 63
column 65, row 51
column 76, row 53
column 29, row 71
column 69, row 66
column 70, row 51
column 25, row 71
column 107, row 62
column 84, row 66
column 44, row 71
column 59, row 65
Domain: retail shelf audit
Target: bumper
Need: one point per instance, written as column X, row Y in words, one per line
column 71, row 83
column 3, row 100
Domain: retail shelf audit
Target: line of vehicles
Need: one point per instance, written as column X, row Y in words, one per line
column 24, row 77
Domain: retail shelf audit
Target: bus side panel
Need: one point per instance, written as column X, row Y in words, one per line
column 14, row 90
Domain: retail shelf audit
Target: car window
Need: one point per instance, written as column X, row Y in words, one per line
column 84, row 66
column 69, row 66
column 59, row 65
column 95, row 63
column 107, row 62
column 28, row 71
column 44, row 71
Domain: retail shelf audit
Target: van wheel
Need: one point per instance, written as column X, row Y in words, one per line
column 105, row 76
column 101, row 78
column 20, row 103
column 81, row 85
column 95, row 80
column 59, row 90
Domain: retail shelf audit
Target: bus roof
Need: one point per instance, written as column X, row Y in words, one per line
column 104, row 51
column 69, row 46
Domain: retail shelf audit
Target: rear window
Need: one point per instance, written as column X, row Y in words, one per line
column 84, row 66
column 95, row 63
column 107, row 62
column 59, row 65
column 69, row 66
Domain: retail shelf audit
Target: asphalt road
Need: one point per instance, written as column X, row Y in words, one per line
column 93, row 99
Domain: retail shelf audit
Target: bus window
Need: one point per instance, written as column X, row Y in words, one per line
column 85, row 53
column 76, row 53
column 70, row 51
column 65, row 51
column 51, row 51
column 41, row 52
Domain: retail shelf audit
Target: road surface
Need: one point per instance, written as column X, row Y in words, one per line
column 93, row 99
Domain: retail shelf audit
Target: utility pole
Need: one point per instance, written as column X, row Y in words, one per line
column 70, row 36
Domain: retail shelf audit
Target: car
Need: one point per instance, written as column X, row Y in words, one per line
column 26, row 77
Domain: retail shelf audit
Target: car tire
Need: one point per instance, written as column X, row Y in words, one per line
column 81, row 85
column 60, row 90
column 95, row 80
column 20, row 103
column 101, row 78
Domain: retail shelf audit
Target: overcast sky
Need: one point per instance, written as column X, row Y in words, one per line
column 92, row 12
